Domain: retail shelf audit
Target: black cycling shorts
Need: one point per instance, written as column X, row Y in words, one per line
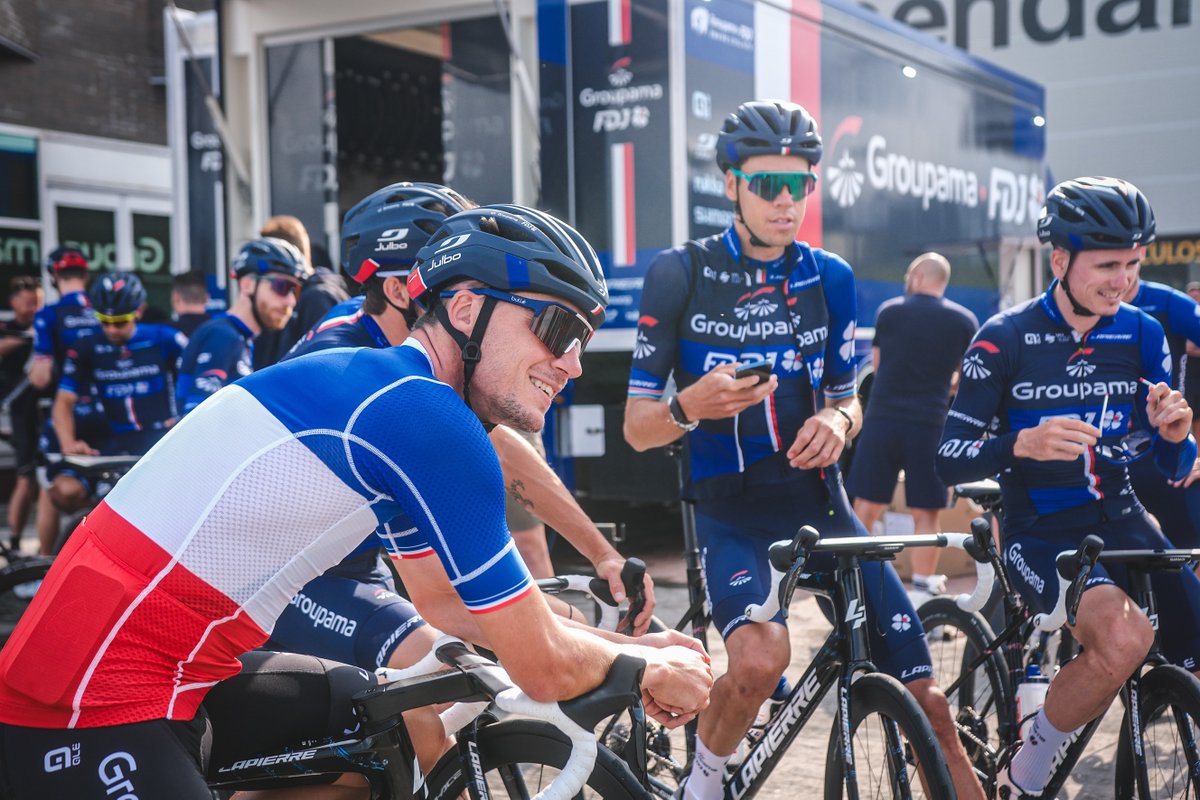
column 279, row 701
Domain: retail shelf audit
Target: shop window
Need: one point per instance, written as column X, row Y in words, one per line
column 18, row 177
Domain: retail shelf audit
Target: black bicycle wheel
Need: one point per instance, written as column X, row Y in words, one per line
column 980, row 696
column 1169, row 713
column 521, row 758
column 18, row 583
column 896, row 755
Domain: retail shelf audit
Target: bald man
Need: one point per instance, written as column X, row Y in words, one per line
column 920, row 339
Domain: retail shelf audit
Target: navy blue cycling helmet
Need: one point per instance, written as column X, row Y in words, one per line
column 515, row 248
column 267, row 255
column 768, row 128
column 117, row 294
column 1096, row 214
column 384, row 230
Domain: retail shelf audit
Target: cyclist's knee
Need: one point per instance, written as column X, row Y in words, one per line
column 68, row 494
column 932, row 701
column 1113, row 630
column 758, row 655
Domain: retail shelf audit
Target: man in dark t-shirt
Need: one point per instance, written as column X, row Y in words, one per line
column 919, row 342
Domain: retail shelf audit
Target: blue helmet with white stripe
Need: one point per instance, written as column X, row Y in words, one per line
column 768, row 128
column 515, row 248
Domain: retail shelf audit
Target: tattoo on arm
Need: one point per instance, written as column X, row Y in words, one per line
column 516, row 490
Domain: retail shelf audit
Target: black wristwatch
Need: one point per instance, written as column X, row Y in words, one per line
column 678, row 417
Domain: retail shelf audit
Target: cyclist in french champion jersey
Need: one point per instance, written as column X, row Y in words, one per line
column 181, row 569
column 380, row 238
column 763, row 453
column 269, row 274
column 131, row 368
column 1057, row 395
column 1175, row 504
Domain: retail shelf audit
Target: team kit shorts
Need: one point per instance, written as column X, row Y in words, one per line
column 735, row 534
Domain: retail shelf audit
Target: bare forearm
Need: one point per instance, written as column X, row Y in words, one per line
column 648, row 424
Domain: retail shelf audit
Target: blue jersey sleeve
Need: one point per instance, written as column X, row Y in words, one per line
column 1173, row 459
column 207, row 363
column 841, row 370
column 1183, row 317
column 76, row 368
column 43, row 333
column 454, row 500
column 967, row 452
column 664, row 293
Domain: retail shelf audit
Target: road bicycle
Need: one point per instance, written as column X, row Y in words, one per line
column 880, row 744
column 1156, row 755
column 507, row 744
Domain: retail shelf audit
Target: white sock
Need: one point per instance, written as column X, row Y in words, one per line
column 706, row 781
column 920, row 580
column 1031, row 766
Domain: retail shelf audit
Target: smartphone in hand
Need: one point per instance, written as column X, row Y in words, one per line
column 760, row 369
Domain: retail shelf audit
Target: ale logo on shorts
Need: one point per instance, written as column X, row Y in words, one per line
column 61, row 758
column 739, row 578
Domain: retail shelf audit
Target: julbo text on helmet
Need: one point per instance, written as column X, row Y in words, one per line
column 514, row 248
column 117, row 294
column 768, row 128
column 266, row 255
column 384, row 231
column 1096, row 214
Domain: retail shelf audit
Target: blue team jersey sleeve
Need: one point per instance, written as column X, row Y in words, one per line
column 443, row 473
column 1183, row 317
column 664, row 293
column 966, row 452
column 43, row 332
column 841, row 370
column 1173, row 459
column 76, row 368
column 208, row 362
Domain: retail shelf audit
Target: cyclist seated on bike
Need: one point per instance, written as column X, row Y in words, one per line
column 129, row 367
column 1057, row 395
column 763, row 454
column 269, row 274
column 180, row 570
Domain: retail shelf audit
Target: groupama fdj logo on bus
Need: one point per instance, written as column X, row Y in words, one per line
column 860, row 160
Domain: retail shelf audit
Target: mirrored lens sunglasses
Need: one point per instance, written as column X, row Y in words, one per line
column 768, row 185
column 557, row 326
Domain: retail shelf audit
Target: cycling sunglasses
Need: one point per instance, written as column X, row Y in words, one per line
column 1130, row 448
column 768, row 185
column 282, row 286
column 558, row 327
column 116, row 320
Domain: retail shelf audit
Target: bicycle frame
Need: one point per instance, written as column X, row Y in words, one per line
column 844, row 654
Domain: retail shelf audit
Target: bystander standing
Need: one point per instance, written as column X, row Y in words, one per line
column 19, row 418
column 189, row 301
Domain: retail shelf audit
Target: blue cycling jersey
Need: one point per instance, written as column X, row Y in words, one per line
column 218, row 353
column 797, row 312
column 58, row 325
column 342, row 309
column 1027, row 365
column 134, row 382
column 354, row 329
column 1179, row 316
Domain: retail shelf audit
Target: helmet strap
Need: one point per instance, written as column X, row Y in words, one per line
column 471, row 346
column 409, row 313
column 1079, row 310
column 737, row 210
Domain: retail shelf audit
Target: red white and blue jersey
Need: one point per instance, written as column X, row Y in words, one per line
column 351, row 329
column 797, row 312
column 58, row 325
column 190, row 559
column 134, row 381
column 1027, row 365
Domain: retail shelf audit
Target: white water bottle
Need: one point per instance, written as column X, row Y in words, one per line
column 1031, row 695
